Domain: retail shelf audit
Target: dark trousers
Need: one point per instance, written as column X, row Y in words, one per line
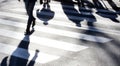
column 29, row 9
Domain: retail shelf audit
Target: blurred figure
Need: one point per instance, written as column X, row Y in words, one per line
column 80, row 3
column 45, row 18
column 113, row 5
column 29, row 5
column 46, row 4
column 106, row 12
column 77, row 20
column 46, row 9
column 98, row 4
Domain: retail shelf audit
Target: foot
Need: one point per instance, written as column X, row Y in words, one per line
column 37, row 50
column 27, row 33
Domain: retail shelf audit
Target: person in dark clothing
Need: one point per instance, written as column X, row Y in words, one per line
column 46, row 4
column 29, row 5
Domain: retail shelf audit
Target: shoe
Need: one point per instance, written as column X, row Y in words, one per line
column 37, row 50
column 27, row 33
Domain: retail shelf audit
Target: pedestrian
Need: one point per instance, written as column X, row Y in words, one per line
column 29, row 5
column 46, row 4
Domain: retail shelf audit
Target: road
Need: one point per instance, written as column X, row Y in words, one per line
column 73, row 36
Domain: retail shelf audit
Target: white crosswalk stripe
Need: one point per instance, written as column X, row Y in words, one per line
column 55, row 22
column 42, row 41
column 61, row 23
column 61, row 32
column 48, row 42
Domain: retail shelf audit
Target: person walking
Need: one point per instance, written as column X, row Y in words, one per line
column 29, row 5
column 46, row 4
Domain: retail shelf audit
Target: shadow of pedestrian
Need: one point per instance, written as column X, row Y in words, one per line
column 105, row 12
column 45, row 14
column 4, row 61
column 21, row 52
column 113, row 5
column 108, row 50
column 87, row 13
column 109, row 14
column 20, row 56
column 72, row 13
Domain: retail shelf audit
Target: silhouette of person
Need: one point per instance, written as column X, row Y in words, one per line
column 109, row 14
column 29, row 5
column 90, row 18
column 16, row 58
column 68, row 12
column 20, row 56
column 46, row 4
column 45, row 14
column 4, row 61
column 113, row 5
column 31, row 63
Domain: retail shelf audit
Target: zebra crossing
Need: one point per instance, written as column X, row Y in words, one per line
column 59, row 20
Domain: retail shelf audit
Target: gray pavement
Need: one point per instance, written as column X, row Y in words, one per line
column 73, row 37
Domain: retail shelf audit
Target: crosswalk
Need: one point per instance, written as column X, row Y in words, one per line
column 59, row 26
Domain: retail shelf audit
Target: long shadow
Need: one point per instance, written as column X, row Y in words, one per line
column 87, row 13
column 113, row 5
column 22, row 51
column 98, row 4
column 21, row 55
column 113, row 53
column 45, row 14
column 111, row 49
column 72, row 13
column 105, row 12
